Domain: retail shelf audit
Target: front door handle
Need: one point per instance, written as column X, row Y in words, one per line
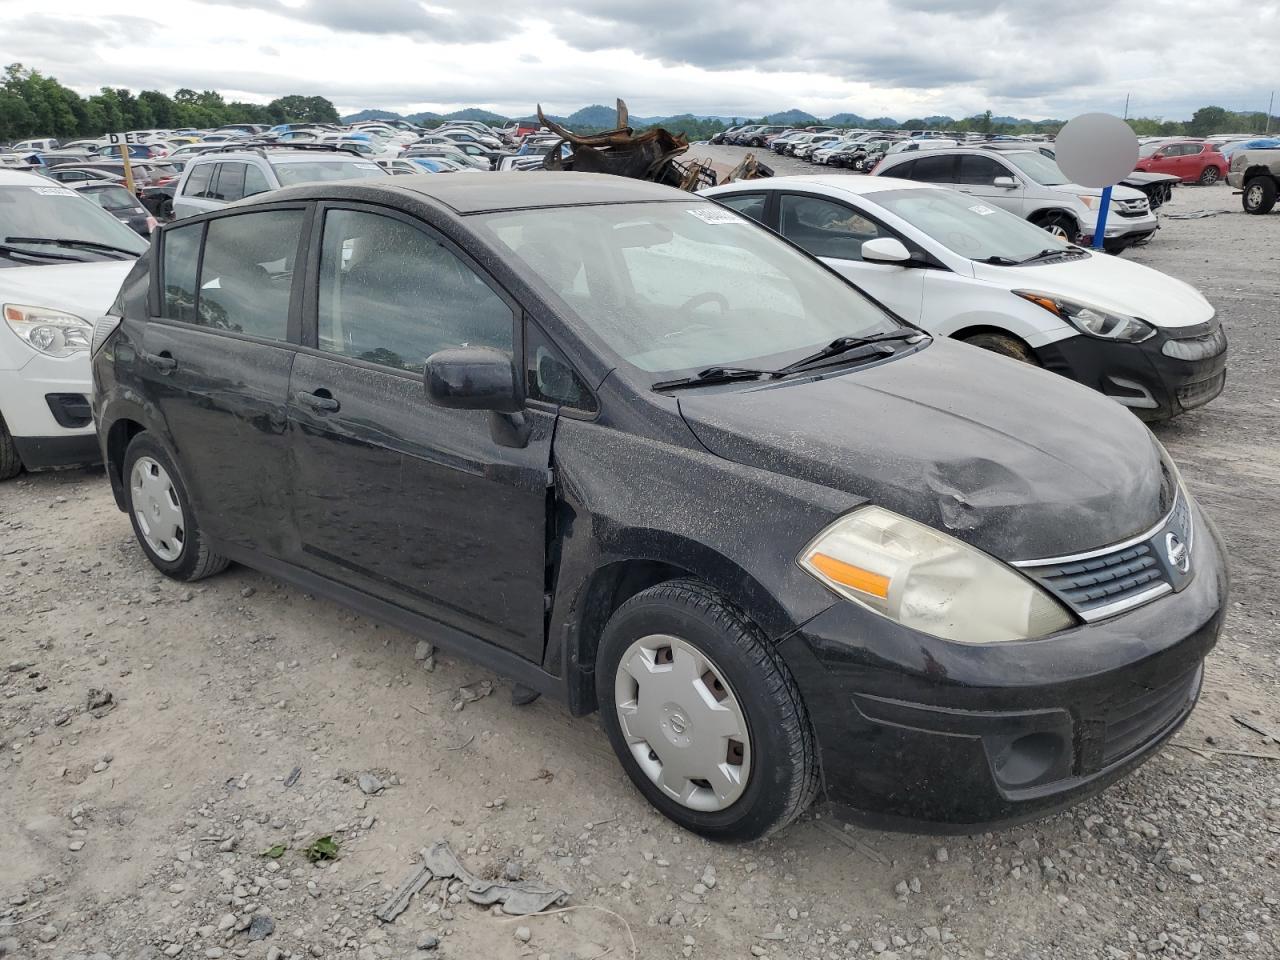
column 163, row 362
column 320, row 401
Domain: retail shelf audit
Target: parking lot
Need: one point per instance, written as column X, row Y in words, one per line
column 134, row 829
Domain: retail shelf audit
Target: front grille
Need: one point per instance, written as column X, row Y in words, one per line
column 1103, row 583
column 1131, row 208
column 1132, row 725
column 1202, row 391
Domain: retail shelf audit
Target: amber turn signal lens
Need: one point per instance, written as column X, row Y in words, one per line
column 853, row 577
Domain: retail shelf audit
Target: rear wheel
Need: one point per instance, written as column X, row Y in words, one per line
column 703, row 715
column 1259, row 195
column 1003, row 344
column 160, row 511
column 10, row 462
column 1209, row 176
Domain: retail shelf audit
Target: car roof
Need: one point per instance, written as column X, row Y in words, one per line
column 467, row 193
column 860, row 186
column 17, row 178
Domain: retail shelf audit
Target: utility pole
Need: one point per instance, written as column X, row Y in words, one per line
column 1270, row 105
column 1126, row 106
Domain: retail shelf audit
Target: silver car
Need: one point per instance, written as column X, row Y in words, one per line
column 1033, row 186
column 214, row 179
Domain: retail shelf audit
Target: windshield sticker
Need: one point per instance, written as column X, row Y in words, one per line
column 54, row 191
column 981, row 210
column 713, row 215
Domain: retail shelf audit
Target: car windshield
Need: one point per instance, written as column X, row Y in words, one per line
column 52, row 212
column 1038, row 167
column 967, row 226
column 683, row 286
column 312, row 171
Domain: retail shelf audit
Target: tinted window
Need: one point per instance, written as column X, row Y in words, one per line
column 748, row 204
column 903, row 171
column 228, row 184
column 549, row 377
column 198, row 181
column 314, row 171
column 247, row 273
column 935, row 169
column 826, row 228
column 391, row 294
column 980, row 170
column 178, row 272
column 255, row 181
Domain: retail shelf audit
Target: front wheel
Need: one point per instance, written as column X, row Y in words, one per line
column 1209, row 176
column 703, row 714
column 10, row 462
column 161, row 513
column 1003, row 344
column 1061, row 226
column 1259, row 195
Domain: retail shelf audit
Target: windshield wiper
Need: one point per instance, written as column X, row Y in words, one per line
column 843, row 345
column 1047, row 254
column 998, row 261
column 9, row 252
column 714, row 375
column 73, row 243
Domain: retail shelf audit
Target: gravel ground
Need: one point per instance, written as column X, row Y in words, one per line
column 135, row 830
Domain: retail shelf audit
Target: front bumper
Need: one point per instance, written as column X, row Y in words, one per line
column 923, row 734
column 1142, row 376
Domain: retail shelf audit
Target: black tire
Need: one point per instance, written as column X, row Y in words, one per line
column 1003, row 344
column 784, row 777
column 859, row 164
column 196, row 560
column 1259, row 195
column 1209, row 176
column 1061, row 224
column 10, row 462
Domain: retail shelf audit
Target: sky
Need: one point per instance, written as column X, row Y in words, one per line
column 898, row 58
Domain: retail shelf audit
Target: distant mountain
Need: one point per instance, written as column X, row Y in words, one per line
column 792, row 118
column 366, row 115
column 475, row 113
column 606, row 118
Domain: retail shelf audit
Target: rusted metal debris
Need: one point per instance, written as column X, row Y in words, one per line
column 642, row 156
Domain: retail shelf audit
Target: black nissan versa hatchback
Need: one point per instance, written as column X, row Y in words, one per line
column 631, row 449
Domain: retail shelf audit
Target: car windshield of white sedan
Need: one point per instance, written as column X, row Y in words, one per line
column 32, row 217
column 969, row 226
column 686, row 286
column 1038, row 167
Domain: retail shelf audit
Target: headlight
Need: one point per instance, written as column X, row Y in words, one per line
column 1092, row 320
column 929, row 581
column 49, row 331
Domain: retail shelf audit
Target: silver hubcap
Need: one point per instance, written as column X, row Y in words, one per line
column 1057, row 231
column 683, row 722
column 1254, row 196
column 1210, row 175
column 157, row 509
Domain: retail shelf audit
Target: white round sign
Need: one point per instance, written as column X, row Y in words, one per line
column 1097, row 150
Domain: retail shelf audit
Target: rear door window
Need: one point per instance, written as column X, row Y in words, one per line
column 179, row 262
column 247, row 273
column 229, row 183
column 197, row 184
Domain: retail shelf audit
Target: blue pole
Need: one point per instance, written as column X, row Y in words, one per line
column 1100, row 233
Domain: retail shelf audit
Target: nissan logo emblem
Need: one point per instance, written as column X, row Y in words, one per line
column 1177, row 552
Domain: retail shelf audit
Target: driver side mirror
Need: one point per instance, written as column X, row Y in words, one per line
column 885, row 250
column 473, row 378
column 1007, row 183
column 1157, row 155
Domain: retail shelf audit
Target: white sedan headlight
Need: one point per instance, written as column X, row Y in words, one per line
column 49, row 331
column 1106, row 324
column 929, row 581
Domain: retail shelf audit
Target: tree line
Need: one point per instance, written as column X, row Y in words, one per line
column 35, row 105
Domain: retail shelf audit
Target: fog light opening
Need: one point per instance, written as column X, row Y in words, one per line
column 1027, row 759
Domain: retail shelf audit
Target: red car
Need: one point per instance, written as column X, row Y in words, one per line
column 1192, row 161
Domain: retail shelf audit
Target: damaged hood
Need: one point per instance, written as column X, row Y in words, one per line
column 1016, row 461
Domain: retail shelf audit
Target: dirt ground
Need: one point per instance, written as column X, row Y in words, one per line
column 135, row 830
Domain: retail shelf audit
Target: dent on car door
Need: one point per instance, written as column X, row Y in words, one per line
column 216, row 362
column 436, row 510
column 836, row 232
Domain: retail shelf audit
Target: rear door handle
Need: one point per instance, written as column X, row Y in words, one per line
column 163, row 362
column 320, row 400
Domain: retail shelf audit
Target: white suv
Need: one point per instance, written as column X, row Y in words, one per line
column 222, row 176
column 62, row 261
column 1033, row 186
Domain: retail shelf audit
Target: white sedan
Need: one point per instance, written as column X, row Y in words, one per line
column 960, row 267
